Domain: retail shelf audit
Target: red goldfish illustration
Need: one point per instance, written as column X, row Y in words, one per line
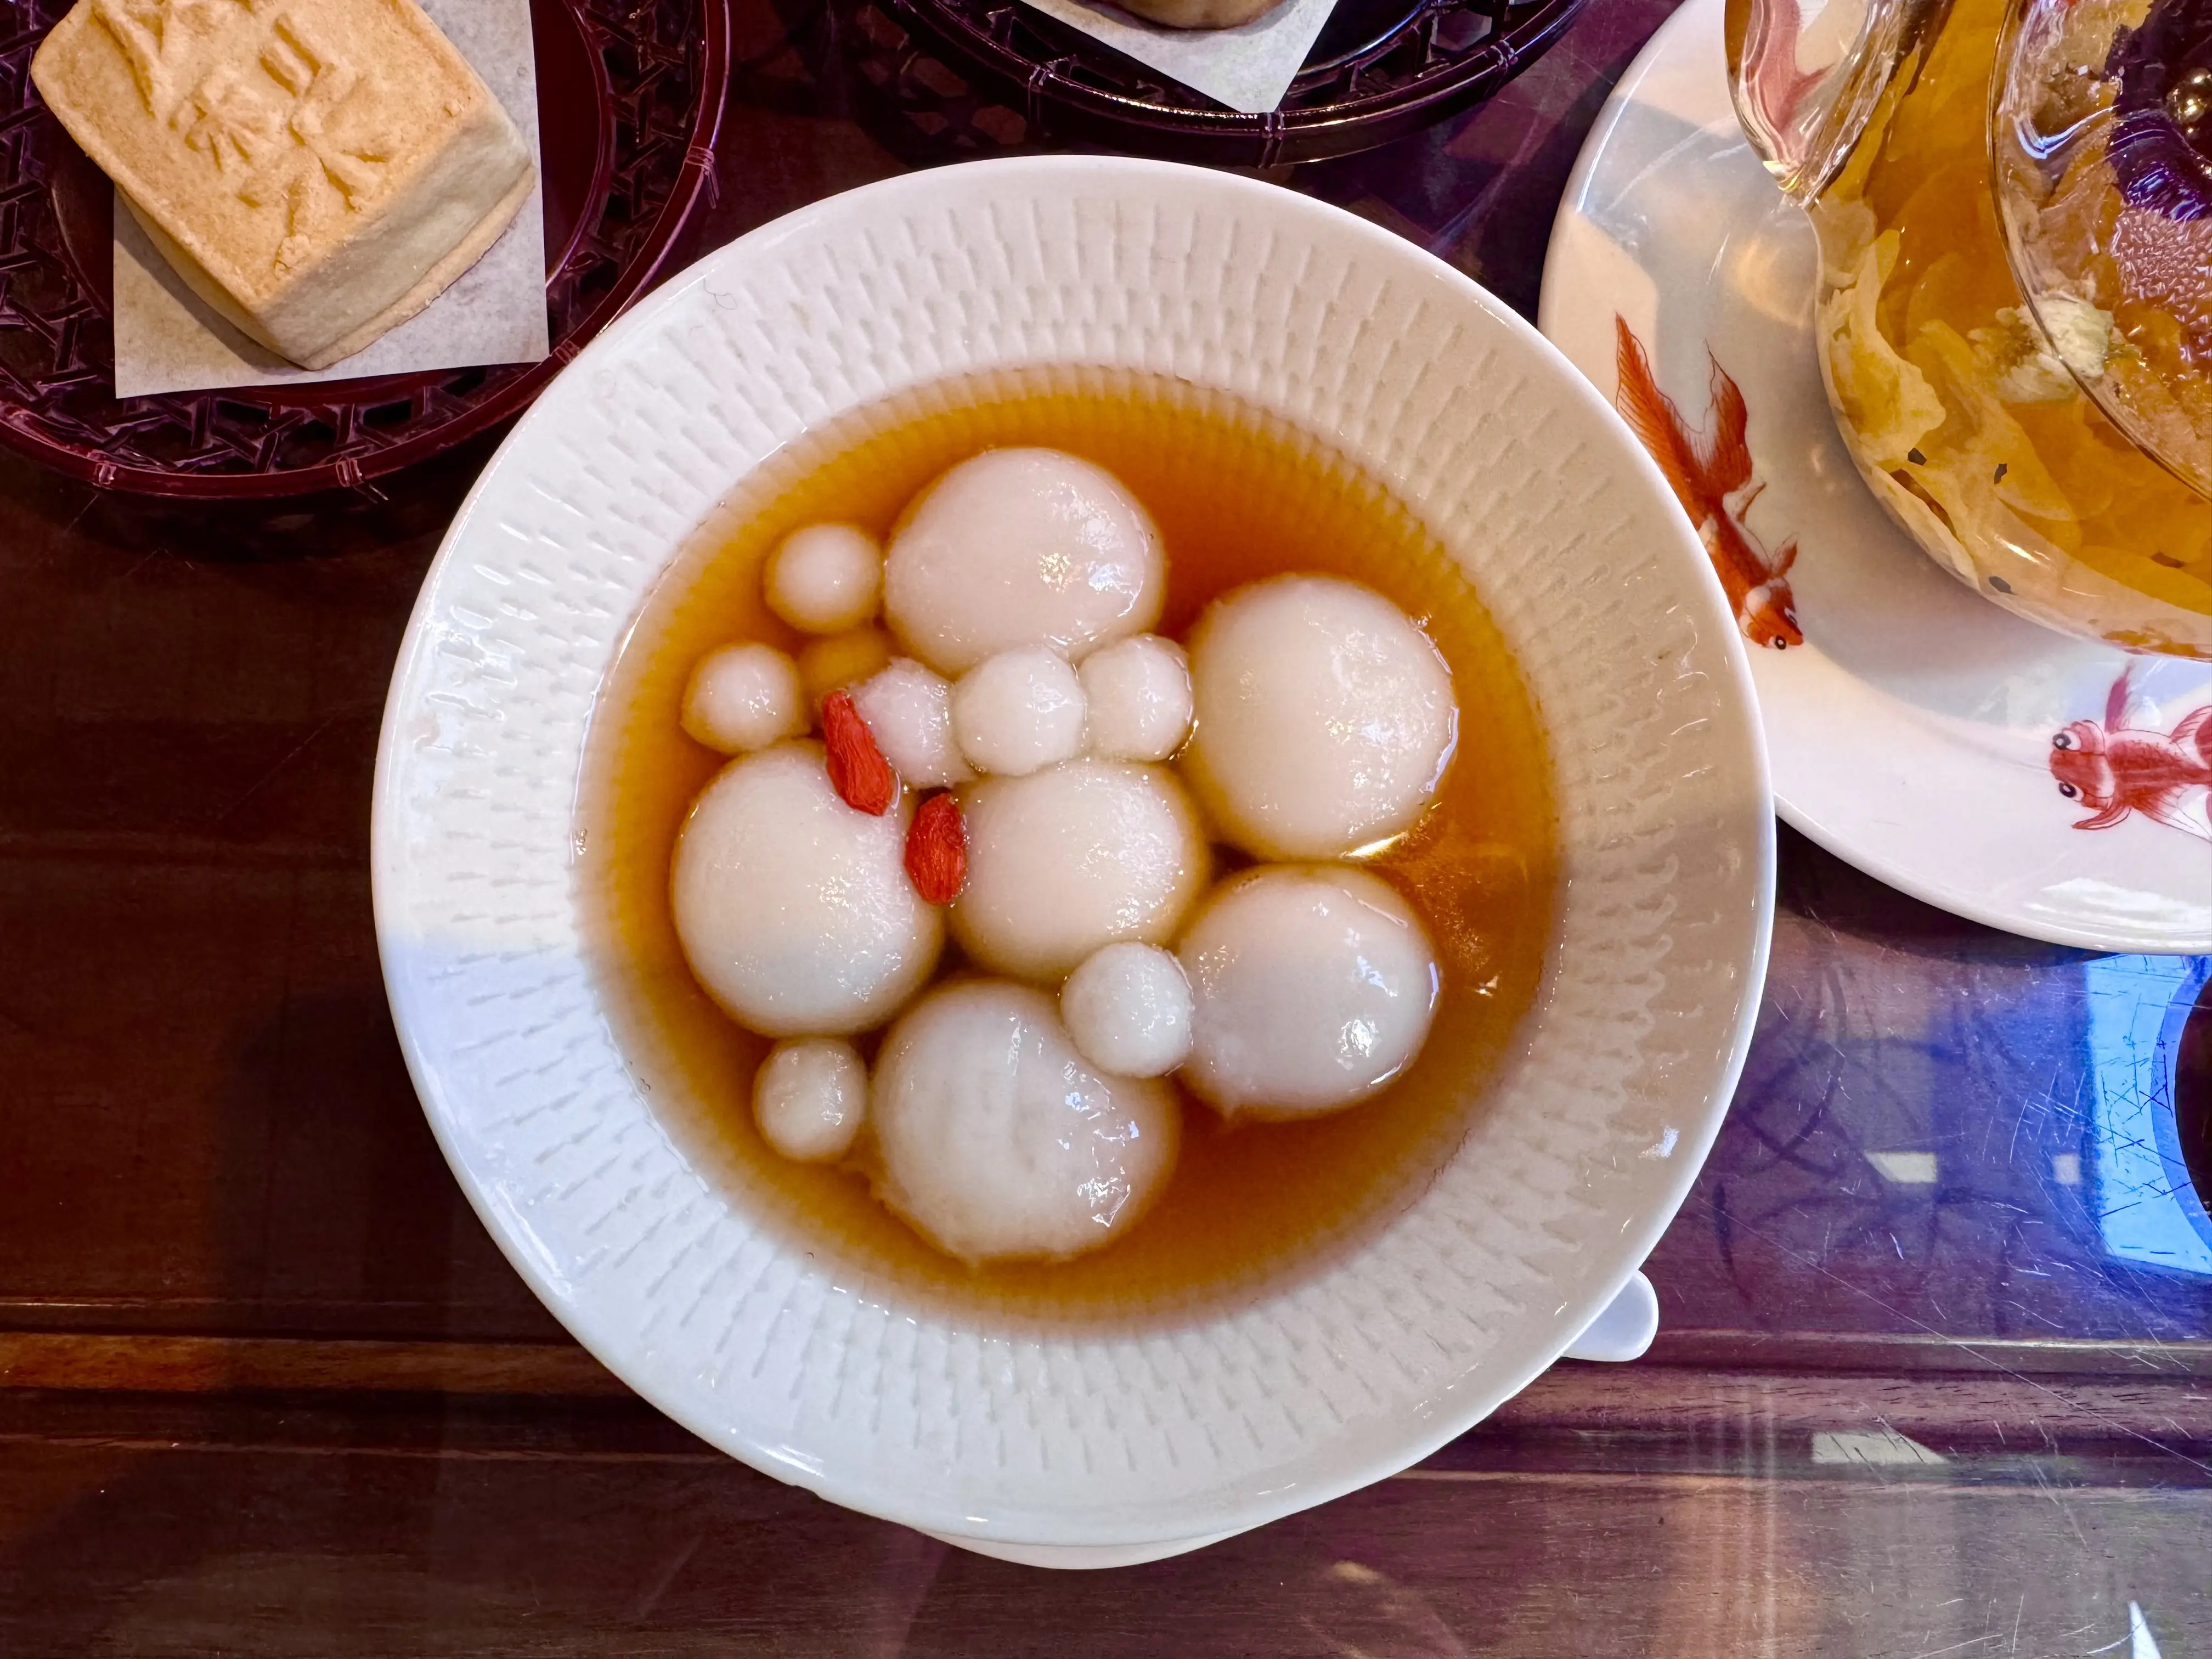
column 2115, row 768
column 1704, row 476
column 1771, row 82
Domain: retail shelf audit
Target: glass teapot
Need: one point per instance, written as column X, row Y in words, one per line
column 2014, row 201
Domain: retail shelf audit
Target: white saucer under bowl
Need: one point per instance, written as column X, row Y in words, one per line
column 1911, row 733
column 1080, row 1446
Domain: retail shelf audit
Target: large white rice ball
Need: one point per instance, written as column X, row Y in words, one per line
column 1022, row 546
column 1018, row 711
column 998, row 1141
column 1081, row 855
column 794, row 910
column 1325, row 717
column 1312, row 987
column 810, row 1096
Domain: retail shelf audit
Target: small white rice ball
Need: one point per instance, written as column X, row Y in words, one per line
column 826, row 578
column 1018, row 711
column 1312, row 987
column 1129, row 1009
column 743, row 697
column 1325, row 717
column 794, row 910
column 809, row 1098
column 1084, row 854
column 909, row 711
column 1022, row 546
column 998, row 1141
column 1138, row 693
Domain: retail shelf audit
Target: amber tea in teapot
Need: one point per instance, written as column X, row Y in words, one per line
column 2015, row 307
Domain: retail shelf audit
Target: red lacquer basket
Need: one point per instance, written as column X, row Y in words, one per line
column 630, row 98
column 974, row 76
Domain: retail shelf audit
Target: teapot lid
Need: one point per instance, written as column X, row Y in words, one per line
column 2101, row 145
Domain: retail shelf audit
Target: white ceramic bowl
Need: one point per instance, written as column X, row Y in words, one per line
column 1117, row 1445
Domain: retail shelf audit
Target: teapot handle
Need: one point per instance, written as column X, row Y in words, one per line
column 1805, row 88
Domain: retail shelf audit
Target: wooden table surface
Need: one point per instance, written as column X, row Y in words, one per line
column 266, row 1386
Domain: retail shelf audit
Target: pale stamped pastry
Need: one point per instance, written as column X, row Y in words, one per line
column 318, row 170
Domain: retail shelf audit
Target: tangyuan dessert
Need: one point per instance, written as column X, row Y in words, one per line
column 1015, row 1110
column 1037, row 831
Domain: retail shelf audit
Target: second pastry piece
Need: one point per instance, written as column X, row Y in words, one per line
column 1199, row 14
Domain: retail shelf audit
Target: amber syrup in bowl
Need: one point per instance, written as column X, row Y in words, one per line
column 1238, row 496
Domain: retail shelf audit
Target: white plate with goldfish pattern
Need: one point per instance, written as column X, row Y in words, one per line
column 2052, row 787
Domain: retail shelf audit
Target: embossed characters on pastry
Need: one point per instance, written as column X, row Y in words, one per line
column 316, row 171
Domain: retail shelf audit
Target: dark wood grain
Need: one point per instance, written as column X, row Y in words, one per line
column 123, row 1549
column 201, row 1365
column 266, row 1386
column 2158, row 1412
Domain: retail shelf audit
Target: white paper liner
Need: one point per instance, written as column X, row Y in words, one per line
column 1248, row 69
